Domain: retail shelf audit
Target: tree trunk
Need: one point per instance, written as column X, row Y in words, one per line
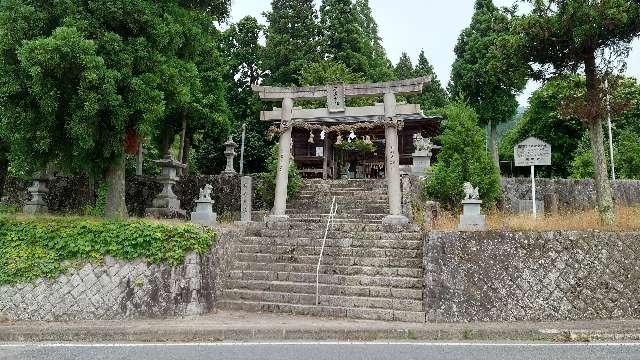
column 116, row 206
column 493, row 143
column 183, row 136
column 185, row 154
column 604, row 196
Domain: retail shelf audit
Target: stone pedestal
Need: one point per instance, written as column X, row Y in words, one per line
column 38, row 189
column 246, row 193
column 421, row 163
column 472, row 218
column 204, row 215
column 166, row 205
column 230, row 153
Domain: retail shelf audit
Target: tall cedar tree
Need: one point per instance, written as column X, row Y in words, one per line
column 433, row 96
column 78, row 76
column 379, row 65
column 489, row 70
column 567, row 35
column 292, row 40
column 404, row 68
column 343, row 36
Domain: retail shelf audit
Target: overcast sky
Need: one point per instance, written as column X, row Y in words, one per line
column 414, row 25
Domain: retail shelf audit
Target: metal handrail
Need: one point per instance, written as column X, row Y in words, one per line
column 330, row 221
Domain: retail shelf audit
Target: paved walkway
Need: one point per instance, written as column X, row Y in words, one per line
column 240, row 326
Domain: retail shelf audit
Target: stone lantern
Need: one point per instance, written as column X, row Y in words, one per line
column 38, row 189
column 166, row 204
column 421, row 156
column 230, row 153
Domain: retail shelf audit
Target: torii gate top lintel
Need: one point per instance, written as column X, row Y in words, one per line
column 399, row 87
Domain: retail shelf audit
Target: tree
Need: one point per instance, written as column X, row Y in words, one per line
column 245, row 58
column 4, row 165
column 79, row 76
column 379, row 66
column 489, row 70
column 343, row 37
column 292, row 40
column 433, row 95
column 463, row 159
column 404, row 68
column 565, row 35
column 546, row 120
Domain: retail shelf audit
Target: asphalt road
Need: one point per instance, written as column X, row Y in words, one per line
column 317, row 351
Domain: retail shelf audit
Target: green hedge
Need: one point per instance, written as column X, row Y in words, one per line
column 46, row 247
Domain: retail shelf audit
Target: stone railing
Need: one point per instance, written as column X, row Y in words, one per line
column 534, row 276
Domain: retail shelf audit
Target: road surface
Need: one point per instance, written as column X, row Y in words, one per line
column 322, row 351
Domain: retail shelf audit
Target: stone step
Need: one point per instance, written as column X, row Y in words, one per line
column 324, row 311
column 356, row 280
column 338, row 231
column 378, row 243
column 325, row 289
column 330, row 269
column 323, row 300
column 340, row 261
column 333, row 251
column 342, row 193
column 343, row 219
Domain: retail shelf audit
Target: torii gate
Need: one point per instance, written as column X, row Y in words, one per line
column 336, row 108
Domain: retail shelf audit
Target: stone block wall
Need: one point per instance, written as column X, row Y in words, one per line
column 571, row 194
column 534, row 276
column 117, row 289
column 71, row 194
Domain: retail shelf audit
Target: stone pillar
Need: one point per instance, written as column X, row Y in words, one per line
column 246, row 206
column 392, row 170
column 278, row 213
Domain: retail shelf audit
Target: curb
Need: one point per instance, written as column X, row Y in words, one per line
column 62, row 333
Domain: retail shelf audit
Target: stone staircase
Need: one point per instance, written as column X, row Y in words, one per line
column 366, row 273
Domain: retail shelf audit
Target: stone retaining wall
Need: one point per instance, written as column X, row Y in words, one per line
column 534, row 276
column 123, row 290
column 71, row 194
column 571, row 194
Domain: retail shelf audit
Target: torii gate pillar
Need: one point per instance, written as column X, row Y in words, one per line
column 279, row 211
column 392, row 167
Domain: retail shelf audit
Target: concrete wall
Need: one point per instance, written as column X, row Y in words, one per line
column 509, row 276
column 572, row 194
column 123, row 290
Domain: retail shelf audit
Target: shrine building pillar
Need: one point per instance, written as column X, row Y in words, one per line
column 278, row 213
column 392, row 167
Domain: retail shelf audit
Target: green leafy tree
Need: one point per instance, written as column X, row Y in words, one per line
column 565, row 35
column 343, row 35
column 267, row 187
column 545, row 120
column 379, row 65
column 244, row 56
column 78, row 76
column 433, row 95
column 463, row 159
column 4, row 165
column 489, row 69
column 292, row 40
column 404, row 68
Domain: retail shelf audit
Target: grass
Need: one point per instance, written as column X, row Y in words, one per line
column 627, row 218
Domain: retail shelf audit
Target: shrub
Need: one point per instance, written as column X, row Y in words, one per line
column 45, row 247
column 267, row 186
column 463, row 158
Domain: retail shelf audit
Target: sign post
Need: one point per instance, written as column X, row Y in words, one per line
column 532, row 152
